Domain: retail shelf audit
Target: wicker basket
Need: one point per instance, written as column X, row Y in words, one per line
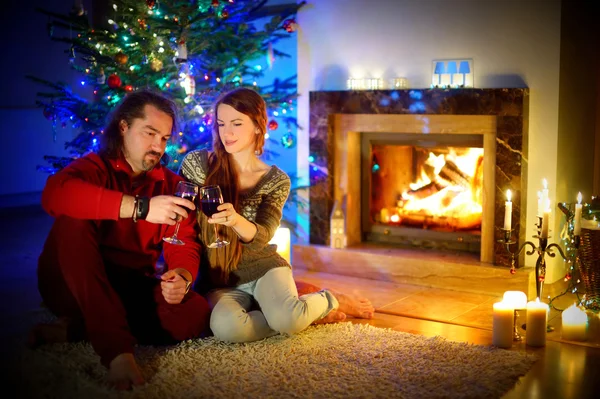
column 589, row 254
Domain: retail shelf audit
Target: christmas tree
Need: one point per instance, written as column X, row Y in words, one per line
column 190, row 50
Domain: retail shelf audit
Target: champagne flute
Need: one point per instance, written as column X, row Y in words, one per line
column 188, row 191
column 210, row 199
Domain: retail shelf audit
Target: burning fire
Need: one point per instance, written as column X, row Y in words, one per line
column 447, row 193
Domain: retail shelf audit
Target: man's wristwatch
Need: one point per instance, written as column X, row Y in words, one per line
column 188, row 284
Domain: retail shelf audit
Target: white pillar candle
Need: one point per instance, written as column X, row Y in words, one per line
column 503, row 324
column 574, row 324
column 537, row 319
column 508, row 211
column 577, row 221
column 517, row 299
column 282, row 240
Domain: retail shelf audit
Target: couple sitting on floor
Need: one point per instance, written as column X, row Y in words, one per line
column 97, row 271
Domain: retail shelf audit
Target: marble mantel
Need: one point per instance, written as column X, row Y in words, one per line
column 509, row 107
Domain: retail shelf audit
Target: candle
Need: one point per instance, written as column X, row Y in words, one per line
column 502, row 331
column 282, row 240
column 574, row 324
column 539, row 208
column 537, row 319
column 517, row 299
column 546, row 221
column 508, row 211
column 577, row 221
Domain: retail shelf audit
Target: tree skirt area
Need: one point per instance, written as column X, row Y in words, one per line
column 326, row 361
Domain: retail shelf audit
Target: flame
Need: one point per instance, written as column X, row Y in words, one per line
column 457, row 192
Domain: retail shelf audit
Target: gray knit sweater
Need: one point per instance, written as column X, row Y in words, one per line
column 262, row 205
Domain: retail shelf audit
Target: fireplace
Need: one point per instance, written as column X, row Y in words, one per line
column 346, row 126
column 422, row 191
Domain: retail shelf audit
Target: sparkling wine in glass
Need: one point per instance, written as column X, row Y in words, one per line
column 188, row 191
column 210, row 199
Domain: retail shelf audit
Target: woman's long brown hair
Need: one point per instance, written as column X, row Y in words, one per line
column 222, row 172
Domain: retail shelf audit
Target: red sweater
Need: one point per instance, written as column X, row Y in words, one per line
column 92, row 188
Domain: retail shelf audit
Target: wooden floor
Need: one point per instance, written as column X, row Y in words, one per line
column 564, row 370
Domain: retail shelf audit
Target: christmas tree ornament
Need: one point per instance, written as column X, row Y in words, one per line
column 188, row 83
column 128, row 88
column 224, row 13
column 182, row 54
column 72, row 55
column 270, row 56
column 48, row 114
column 290, row 25
column 273, row 124
column 288, row 140
column 121, row 58
column 215, row 3
column 142, row 23
column 101, row 77
column 144, row 59
column 151, row 3
column 156, row 64
column 114, row 81
column 77, row 10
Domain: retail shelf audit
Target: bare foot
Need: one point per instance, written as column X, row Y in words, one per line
column 48, row 333
column 355, row 306
column 334, row 316
column 124, row 373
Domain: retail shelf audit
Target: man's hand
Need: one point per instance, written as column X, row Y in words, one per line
column 167, row 209
column 173, row 287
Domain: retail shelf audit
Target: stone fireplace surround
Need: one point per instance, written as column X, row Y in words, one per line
column 338, row 117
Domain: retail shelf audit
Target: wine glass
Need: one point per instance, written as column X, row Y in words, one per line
column 189, row 191
column 210, row 199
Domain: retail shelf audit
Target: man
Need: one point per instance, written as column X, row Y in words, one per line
column 97, row 268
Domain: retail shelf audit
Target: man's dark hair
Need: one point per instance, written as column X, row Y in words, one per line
column 132, row 107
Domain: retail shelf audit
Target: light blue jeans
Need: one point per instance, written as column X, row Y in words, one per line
column 280, row 309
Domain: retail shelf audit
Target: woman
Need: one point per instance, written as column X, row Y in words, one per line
column 257, row 297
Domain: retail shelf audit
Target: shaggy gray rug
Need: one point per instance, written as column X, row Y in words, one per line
column 326, row 361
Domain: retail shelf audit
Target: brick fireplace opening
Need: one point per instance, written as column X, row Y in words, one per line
column 492, row 119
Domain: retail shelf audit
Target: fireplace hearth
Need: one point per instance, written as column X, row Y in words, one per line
column 492, row 120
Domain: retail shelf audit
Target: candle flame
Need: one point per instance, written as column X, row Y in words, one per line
column 579, row 198
column 508, row 195
column 545, row 183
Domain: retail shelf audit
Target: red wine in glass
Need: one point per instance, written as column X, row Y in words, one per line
column 210, row 199
column 188, row 191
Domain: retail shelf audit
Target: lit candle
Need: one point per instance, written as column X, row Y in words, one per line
column 574, row 324
column 508, row 211
column 546, row 220
column 537, row 319
column 517, row 299
column 577, row 221
column 502, row 331
column 282, row 240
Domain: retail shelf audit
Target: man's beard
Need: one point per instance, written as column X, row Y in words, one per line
column 149, row 165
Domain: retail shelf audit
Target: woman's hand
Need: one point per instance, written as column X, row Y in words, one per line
column 226, row 217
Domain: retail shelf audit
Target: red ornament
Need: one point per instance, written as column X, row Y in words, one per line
column 114, row 81
column 224, row 13
column 150, row 3
column 128, row 88
column 48, row 114
column 290, row 25
column 215, row 3
column 273, row 125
